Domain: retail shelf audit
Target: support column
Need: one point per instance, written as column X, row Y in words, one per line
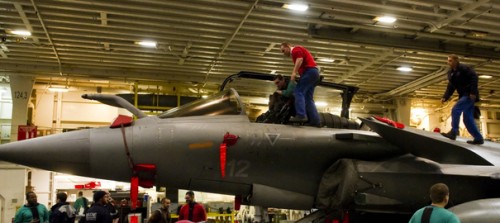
column 21, row 87
column 58, row 114
column 403, row 110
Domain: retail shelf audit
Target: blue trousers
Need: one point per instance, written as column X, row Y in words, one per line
column 304, row 92
column 466, row 106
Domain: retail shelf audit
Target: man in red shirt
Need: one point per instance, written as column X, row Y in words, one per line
column 192, row 211
column 305, row 67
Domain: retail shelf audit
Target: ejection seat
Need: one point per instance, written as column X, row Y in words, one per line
column 281, row 110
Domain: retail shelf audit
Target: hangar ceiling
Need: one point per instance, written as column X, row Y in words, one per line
column 89, row 44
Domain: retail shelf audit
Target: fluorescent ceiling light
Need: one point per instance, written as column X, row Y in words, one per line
column 146, row 43
column 485, row 76
column 385, row 19
column 21, row 32
column 328, row 60
column 58, row 89
column 296, row 7
column 405, row 69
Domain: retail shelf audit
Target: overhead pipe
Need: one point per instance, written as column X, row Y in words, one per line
column 226, row 44
column 48, row 36
column 427, row 80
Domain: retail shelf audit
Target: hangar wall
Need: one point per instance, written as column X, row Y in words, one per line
column 58, row 111
column 12, row 192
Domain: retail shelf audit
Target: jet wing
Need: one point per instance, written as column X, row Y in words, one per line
column 435, row 147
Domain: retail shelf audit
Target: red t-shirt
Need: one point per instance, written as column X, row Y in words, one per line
column 308, row 59
column 199, row 213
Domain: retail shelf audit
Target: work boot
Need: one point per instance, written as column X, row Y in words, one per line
column 450, row 135
column 298, row 119
column 476, row 141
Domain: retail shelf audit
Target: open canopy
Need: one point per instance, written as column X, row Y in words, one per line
column 226, row 102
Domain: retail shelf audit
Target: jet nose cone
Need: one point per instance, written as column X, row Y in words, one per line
column 66, row 153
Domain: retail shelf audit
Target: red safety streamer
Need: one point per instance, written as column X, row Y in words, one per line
column 229, row 140
column 134, row 191
column 237, row 202
column 223, row 150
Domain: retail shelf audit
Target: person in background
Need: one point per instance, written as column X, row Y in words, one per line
column 464, row 80
column 305, row 67
column 436, row 212
column 81, row 203
column 62, row 211
column 32, row 212
column 112, row 207
column 192, row 211
column 123, row 211
column 99, row 213
column 161, row 215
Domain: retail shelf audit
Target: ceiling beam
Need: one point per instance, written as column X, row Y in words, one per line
column 3, row 54
column 26, row 21
column 404, row 42
column 358, row 69
column 104, row 18
column 455, row 15
column 44, row 70
column 185, row 53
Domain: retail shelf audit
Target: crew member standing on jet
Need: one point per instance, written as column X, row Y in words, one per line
column 463, row 79
column 436, row 213
column 305, row 67
column 99, row 212
column 32, row 212
column 192, row 211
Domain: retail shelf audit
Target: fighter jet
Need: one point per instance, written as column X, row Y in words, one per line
column 210, row 145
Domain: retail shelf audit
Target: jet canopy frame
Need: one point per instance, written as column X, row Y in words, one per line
column 347, row 92
column 226, row 102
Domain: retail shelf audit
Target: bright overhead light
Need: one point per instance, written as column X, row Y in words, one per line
column 328, row 60
column 385, row 19
column 146, row 43
column 321, row 104
column 20, row 32
column 485, row 76
column 58, row 89
column 405, row 69
column 296, row 7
